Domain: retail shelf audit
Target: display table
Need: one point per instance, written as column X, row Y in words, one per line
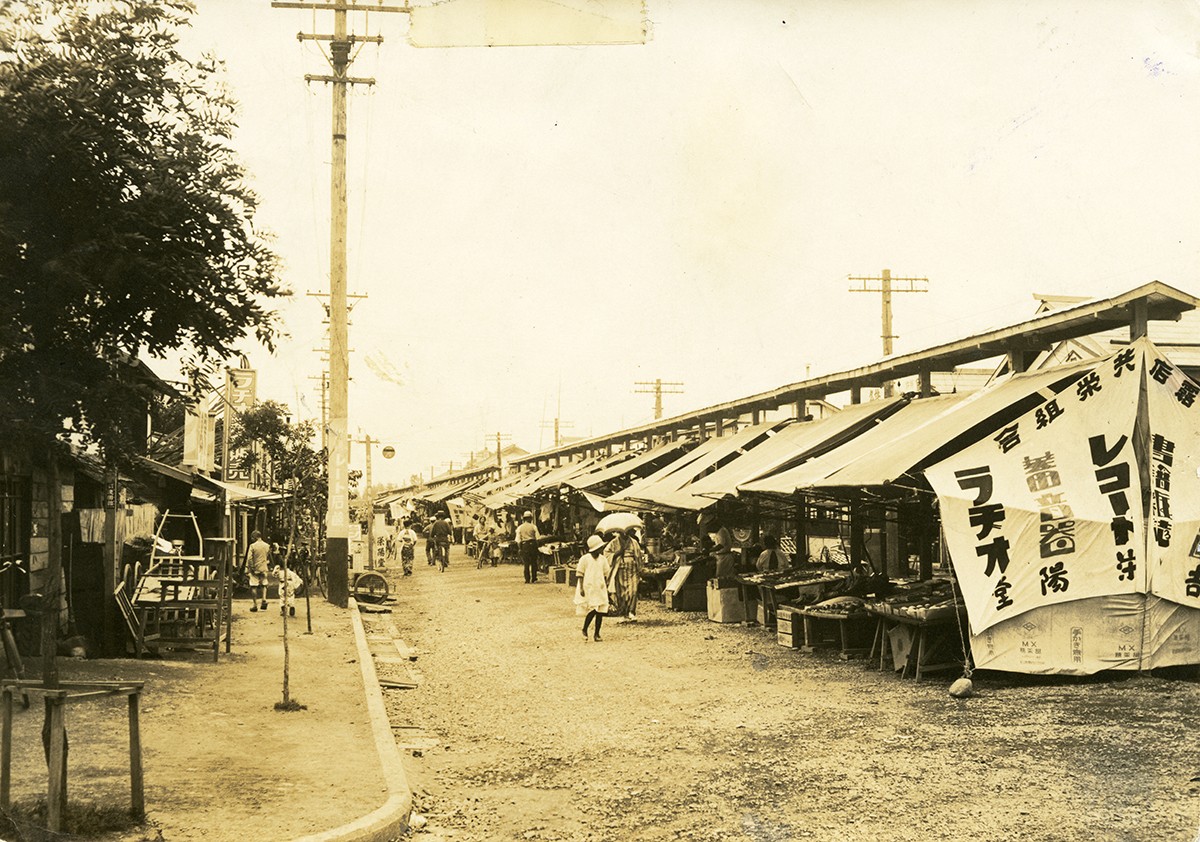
column 853, row 631
column 918, row 644
column 777, row 587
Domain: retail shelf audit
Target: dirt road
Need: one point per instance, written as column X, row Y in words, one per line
column 679, row 728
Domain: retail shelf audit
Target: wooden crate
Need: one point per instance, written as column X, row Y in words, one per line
column 725, row 604
column 688, row 599
column 789, row 627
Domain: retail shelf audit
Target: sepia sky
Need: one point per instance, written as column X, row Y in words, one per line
column 544, row 224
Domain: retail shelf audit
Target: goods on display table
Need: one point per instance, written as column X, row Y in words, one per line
column 854, row 631
column 798, row 585
column 918, row 625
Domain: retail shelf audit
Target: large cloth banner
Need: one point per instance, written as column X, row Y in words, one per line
column 1174, row 460
column 1048, row 509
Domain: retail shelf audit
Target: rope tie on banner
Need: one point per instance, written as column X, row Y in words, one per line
column 962, row 635
column 962, row 688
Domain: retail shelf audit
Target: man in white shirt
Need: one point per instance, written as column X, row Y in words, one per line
column 527, row 538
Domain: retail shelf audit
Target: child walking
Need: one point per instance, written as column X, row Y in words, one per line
column 289, row 584
column 591, row 595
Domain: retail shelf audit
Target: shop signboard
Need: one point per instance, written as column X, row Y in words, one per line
column 241, row 388
column 1048, row 509
column 1125, row 446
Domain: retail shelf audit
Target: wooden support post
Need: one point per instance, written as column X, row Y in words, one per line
column 857, row 543
column 926, row 379
column 855, row 394
column 801, row 529
column 6, row 712
column 56, row 793
column 137, row 795
column 755, row 416
column 801, row 409
column 926, row 530
column 1139, row 321
column 1019, row 359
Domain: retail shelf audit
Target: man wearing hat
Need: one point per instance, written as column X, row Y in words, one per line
column 527, row 538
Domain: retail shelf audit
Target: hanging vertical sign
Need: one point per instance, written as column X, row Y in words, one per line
column 1173, row 541
column 241, row 389
column 1048, row 509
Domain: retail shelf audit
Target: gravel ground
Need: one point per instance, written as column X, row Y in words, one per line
column 679, row 728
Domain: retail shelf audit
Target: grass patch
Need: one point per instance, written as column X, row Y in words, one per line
column 290, row 706
column 26, row 822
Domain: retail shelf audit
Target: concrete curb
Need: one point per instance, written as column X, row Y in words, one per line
column 390, row 820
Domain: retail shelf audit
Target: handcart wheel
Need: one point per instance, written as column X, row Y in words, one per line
column 370, row 587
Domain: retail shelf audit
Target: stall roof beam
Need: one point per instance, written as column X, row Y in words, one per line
column 1154, row 301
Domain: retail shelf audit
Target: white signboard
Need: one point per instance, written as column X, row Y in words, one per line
column 1048, row 509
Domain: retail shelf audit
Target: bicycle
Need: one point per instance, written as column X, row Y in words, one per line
column 12, row 656
column 441, row 552
column 314, row 574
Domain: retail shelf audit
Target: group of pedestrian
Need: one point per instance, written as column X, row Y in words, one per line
column 608, row 577
column 260, row 570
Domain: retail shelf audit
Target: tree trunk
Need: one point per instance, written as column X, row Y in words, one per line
column 52, row 601
column 53, row 587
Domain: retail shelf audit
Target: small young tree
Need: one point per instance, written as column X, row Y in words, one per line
column 282, row 450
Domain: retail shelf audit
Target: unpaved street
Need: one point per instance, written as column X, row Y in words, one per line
column 679, row 728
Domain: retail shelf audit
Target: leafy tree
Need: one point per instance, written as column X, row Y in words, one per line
column 126, row 227
column 126, row 223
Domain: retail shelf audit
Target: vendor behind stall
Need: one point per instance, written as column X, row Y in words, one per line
column 772, row 558
column 722, row 541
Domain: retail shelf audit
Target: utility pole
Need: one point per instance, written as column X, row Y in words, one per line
column 499, row 461
column 886, row 286
column 656, row 388
column 368, row 441
column 558, row 425
column 558, row 422
column 337, row 519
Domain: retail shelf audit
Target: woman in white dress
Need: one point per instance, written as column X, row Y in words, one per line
column 591, row 593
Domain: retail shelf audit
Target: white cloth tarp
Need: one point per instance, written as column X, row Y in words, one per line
column 667, row 489
column 1026, row 519
column 633, row 463
column 923, row 432
column 510, row 495
column 1090, row 497
column 1121, row 632
column 794, row 443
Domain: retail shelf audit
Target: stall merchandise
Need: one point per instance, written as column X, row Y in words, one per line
column 854, row 626
column 798, row 585
column 919, row 625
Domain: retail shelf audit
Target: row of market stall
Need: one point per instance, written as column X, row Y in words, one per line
column 1053, row 516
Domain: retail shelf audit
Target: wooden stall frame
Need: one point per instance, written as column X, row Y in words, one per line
column 56, row 699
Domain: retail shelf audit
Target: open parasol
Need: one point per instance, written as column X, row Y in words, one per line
column 619, row 522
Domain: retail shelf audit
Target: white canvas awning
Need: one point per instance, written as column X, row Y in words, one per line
column 923, row 431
